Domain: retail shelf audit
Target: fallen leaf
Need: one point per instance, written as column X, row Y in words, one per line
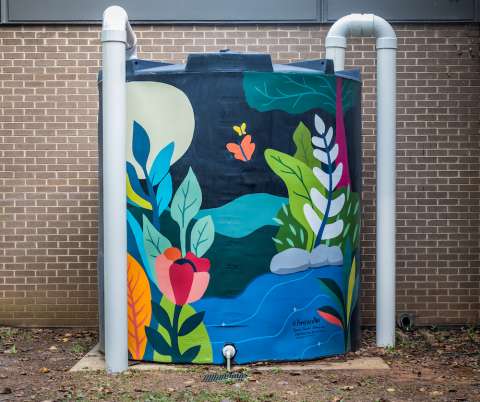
column 5, row 390
column 347, row 387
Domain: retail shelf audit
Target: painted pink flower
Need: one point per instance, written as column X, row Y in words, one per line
column 182, row 280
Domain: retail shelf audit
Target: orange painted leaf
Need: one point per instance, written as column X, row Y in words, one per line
column 139, row 308
column 330, row 318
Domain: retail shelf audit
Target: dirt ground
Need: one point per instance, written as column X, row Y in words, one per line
column 438, row 365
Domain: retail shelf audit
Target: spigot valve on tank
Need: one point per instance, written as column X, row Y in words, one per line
column 229, row 352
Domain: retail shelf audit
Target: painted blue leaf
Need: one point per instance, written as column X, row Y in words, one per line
column 134, row 182
column 164, row 193
column 161, row 164
column 140, row 144
column 136, row 236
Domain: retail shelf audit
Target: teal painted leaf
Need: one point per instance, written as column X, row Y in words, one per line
column 190, row 354
column 161, row 316
column 202, row 235
column 154, row 242
column 186, row 201
column 303, row 141
column 159, row 344
column 191, row 323
column 140, row 144
column 136, row 246
column 161, row 164
column 294, row 93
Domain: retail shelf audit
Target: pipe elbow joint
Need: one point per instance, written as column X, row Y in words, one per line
column 361, row 25
column 116, row 28
column 386, row 38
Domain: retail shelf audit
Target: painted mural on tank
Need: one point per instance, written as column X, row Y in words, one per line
column 243, row 213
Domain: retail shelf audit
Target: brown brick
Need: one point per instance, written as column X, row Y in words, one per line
column 48, row 158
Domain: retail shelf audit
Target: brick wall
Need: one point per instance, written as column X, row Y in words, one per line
column 48, row 158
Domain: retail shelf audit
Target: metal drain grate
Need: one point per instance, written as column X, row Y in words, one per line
column 224, row 377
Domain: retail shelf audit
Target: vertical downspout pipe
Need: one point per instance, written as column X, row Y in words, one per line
column 336, row 43
column 118, row 41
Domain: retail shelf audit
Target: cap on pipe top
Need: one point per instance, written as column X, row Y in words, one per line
column 114, row 25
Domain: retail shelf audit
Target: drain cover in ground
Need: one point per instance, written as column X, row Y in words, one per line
column 224, row 377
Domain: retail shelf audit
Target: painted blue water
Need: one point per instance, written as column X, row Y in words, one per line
column 235, row 219
column 275, row 318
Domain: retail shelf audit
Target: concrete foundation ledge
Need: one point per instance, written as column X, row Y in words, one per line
column 95, row 360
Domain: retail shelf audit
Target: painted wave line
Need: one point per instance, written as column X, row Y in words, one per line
column 321, row 343
column 282, row 327
column 261, row 302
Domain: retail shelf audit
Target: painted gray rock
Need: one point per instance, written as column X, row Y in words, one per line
column 323, row 255
column 289, row 261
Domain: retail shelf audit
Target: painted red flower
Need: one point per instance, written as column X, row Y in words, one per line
column 182, row 280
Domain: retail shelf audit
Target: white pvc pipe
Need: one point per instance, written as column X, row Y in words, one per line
column 336, row 43
column 117, row 38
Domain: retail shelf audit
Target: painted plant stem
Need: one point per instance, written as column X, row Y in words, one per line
column 340, row 136
column 329, row 195
column 174, row 334
column 151, row 195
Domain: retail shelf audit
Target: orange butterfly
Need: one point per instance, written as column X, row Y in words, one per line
column 244, row 150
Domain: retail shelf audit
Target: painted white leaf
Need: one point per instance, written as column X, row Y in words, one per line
column 319, row 124
column 318, row 142
column 337, row 175
column 324, row 179
column 312, row 218
column 321, row 176
column 329, row 135
column 332, row 230
column 321, row 155
column 334, row 152
column 320, row 202
column 337, row 205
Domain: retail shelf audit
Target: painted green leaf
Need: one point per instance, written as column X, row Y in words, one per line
column 299, row 179
column 294, row 93
column 190, row 354
column 155, row 339
column 187, row 200
column 191, row 323
column 161, row 316
column 154, row 242
column 351, row 285
column 202, row 235
column 186, row 204
column 303, row 141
